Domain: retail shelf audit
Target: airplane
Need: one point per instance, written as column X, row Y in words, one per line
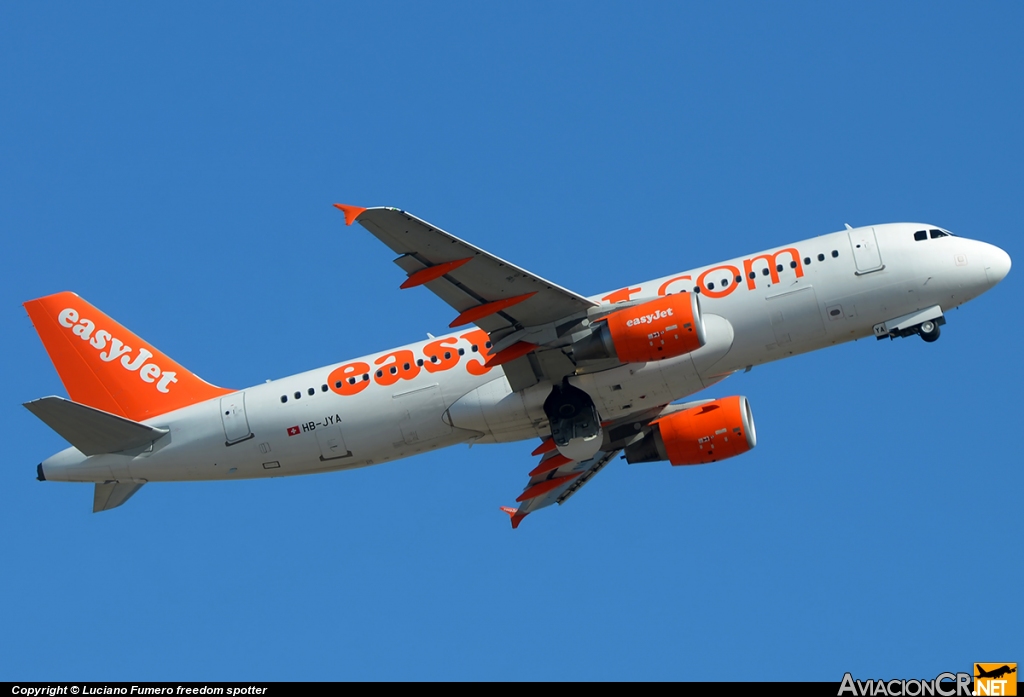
column 590, row 377
column 995, row 672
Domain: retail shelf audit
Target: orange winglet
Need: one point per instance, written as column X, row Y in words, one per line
column 546, row 446
column 515, row 515
column 552, row 463
column 351, row 212
column 541, row 488
column 432, row 273
column 510, row 354
column 481, row 311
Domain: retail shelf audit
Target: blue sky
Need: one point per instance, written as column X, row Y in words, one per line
column 176, row 165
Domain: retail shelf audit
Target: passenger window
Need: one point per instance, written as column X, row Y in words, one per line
column 778, row 267
column 835, row 253
column 311, row 391
column 420, row 362
column 921, row 235
column 462, row 352
column 765, row 271
column 821, row 257
column 337, row 385
column 284, row 398
column 405, row 367
column 753, row 274
column 739, row 279
column 807, row 261
column 711, row 285
column 323, row 388
column 380, row 373
column 474, row 348
column 298, row 395
column 366, row 377
column 792, row 264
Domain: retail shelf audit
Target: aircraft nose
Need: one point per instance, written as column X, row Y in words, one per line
column 997, row 265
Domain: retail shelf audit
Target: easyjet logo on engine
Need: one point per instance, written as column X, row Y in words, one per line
column 112, row 349
column 648, row 319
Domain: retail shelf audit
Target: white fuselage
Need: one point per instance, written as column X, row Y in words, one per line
column 836, row 289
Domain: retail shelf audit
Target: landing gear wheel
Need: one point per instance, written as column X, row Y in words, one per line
column 929, row 331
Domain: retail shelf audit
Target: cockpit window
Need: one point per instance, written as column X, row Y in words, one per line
column 935, row 234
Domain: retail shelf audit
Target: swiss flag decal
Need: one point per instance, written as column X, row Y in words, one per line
column 293, row 430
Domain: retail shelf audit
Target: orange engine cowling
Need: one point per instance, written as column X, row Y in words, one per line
column 699, row 435
column 651, row 331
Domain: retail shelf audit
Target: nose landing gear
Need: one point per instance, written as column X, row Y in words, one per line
column 925, row 323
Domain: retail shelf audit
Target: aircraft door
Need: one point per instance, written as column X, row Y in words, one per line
column 866, row 254
column 232, row 413
column 332, row 443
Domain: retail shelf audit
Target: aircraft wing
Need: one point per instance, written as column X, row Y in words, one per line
column 526, row 316
column 557, row 484
column 556, row 477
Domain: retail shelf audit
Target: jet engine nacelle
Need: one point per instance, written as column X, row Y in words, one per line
column 707, row 433
column 651, row 331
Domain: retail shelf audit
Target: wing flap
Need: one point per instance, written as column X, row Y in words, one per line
column 90, row 430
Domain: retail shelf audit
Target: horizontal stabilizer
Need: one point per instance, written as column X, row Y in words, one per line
column 113, row 494
column 90, row 430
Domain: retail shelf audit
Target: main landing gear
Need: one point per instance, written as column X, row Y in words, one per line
column 575, row 424
column 929, row 331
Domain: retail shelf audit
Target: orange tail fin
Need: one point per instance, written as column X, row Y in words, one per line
column 105, row 366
